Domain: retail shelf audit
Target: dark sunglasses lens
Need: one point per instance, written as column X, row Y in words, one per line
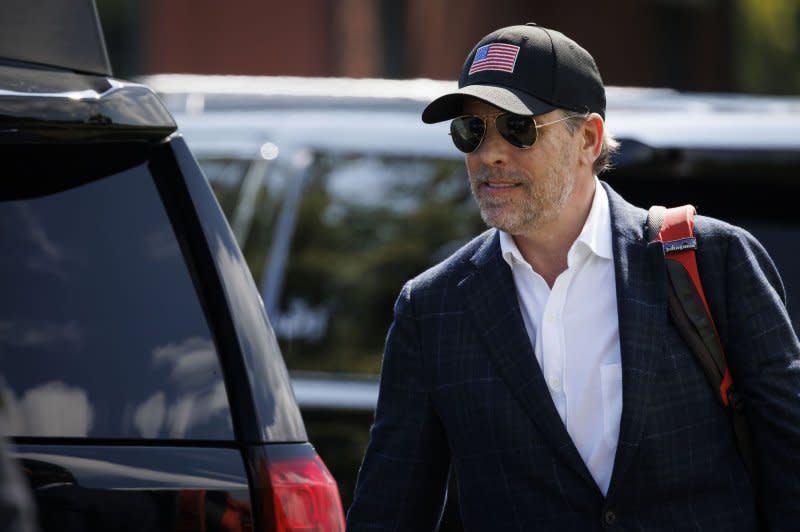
column 518, row 130
column 467, row 132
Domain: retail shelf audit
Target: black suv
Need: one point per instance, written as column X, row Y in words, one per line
column 141, row 381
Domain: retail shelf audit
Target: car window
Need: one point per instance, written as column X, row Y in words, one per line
column 344, row 234
column 101, row 331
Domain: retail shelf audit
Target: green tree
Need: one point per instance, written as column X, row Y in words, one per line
column 767, row 46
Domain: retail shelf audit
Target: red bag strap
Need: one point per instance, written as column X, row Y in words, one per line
column 677, row 236
column 688, row 307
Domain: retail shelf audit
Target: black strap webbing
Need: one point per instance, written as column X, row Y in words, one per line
column 696, row 326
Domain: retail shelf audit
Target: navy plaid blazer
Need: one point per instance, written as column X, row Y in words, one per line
column 460, row 385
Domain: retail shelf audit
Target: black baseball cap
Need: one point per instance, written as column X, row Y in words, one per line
column 527, row 70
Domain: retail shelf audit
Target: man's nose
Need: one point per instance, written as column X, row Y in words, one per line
column 494, row 149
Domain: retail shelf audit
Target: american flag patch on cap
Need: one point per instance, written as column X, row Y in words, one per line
column 496, row 56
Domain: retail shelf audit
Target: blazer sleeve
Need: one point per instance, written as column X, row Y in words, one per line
column 764, row 357
column 402, row 481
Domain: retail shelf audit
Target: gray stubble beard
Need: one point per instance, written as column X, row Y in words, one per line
column 530, row 213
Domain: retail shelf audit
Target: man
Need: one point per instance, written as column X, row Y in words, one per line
column 539, row 359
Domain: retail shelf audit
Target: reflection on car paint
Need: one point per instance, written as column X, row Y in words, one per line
column 162, row 500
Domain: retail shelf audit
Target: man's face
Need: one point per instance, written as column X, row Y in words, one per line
column 522, row 190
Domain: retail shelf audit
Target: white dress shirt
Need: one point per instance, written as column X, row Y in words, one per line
column 575, row 333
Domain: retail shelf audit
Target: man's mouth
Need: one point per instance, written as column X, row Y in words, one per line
column 500, row 185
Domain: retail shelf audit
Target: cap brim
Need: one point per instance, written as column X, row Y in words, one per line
column 451, row 105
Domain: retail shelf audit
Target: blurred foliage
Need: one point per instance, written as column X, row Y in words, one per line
column 767, row 46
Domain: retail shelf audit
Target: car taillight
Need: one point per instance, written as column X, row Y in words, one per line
column 305, row 496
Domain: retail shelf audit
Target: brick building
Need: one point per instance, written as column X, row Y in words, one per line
column 685, row 44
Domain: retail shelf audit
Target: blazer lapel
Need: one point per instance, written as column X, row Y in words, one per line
column 495, row 310
column 641, row 302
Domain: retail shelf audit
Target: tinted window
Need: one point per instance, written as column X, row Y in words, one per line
column 350, row 231
column 101, row 331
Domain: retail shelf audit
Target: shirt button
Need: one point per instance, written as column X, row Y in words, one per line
column 609, row 518
column 555, row 383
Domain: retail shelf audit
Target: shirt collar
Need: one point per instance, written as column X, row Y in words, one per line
column 595, row 235
column 510, row 251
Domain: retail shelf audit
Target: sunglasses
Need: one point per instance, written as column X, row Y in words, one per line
column 468, row 131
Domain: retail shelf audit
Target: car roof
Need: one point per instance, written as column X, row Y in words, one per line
column 246, row 134
column 380, row 114
column 57, row 85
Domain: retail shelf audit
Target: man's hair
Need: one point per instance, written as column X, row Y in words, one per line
column 610, row 144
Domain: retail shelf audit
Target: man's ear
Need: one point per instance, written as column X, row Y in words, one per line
column 592, row 137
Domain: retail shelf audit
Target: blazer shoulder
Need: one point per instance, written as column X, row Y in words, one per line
column 725, row 247
column 721, row 236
